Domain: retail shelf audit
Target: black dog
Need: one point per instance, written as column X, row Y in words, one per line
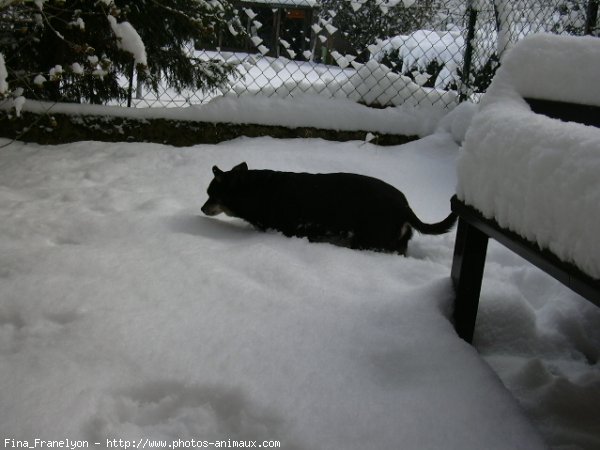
column 345, row 209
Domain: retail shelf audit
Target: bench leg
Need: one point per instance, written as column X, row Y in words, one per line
column 467, row 273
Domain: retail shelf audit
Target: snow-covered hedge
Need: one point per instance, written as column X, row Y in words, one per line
column 417, row 50
column 535, row 175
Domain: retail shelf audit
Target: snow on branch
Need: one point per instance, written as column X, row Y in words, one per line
column 129, row 40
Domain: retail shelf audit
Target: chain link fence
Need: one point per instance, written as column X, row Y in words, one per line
column 377, row 52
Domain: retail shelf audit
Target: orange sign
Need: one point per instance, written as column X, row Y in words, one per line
column 295, row 14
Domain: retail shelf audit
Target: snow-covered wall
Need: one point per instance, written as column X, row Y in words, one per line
column 535, row 175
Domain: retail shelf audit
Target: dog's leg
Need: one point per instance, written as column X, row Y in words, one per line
column 406, row 233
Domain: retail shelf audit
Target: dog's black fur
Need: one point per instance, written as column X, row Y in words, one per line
column 345, row 209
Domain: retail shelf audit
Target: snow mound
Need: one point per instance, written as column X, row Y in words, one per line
column 551, row 67
column 535, row 175
column 421, row 47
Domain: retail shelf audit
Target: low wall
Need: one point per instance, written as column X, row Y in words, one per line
column 62, row 128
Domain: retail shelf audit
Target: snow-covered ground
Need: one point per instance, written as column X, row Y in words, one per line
column 126, row 314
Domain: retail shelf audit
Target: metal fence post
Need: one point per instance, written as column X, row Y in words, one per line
column 468, row 57
column 591, row 18
column 130, row 87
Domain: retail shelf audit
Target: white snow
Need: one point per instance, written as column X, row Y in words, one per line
column 458, row 120
column 129, row 40
column 39, row 79
column 77, row 69
column 370, row 83
column 3, row 75
column 421, row 47
column 127, row 314
column 56, row 72
column 282, row 77
column 535, row 175
column 79, row 23
column 302, row 111
column 256, row 40
column 18, row 103
column 251, row 14
column 374, row 83
column 552, row 67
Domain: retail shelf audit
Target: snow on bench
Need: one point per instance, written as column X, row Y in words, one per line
column 528, row 171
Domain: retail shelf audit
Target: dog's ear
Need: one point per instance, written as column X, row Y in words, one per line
column 240, row 167
column 217, row 172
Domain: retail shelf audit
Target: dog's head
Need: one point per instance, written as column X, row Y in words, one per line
column 221, row 191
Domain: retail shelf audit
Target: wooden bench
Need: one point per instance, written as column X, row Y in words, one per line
column 474, row 231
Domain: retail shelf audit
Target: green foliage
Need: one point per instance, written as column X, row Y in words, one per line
column 362, row 26
column 569, row 17
column 394, row 61
column 51, row 43
column 171, row 28
column 72, row 45
column 481, row 78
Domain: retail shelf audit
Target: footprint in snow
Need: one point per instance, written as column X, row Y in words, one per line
column 173, row 410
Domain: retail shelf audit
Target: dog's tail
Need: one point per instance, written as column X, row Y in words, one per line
column 432, row 228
